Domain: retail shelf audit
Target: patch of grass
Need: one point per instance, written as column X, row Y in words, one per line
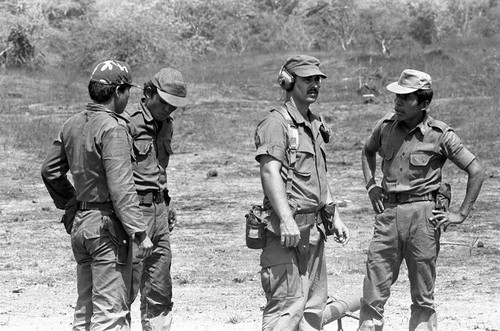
column 235, row 319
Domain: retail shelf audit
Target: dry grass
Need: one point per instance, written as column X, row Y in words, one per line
column 216, row 279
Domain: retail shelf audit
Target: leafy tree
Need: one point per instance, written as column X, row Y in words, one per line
column 422, row 27
column 487, row 25
column 385, row 24
column 334, row 20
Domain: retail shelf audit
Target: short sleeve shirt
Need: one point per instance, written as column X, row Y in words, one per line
column 309, row 186
column 412, row 160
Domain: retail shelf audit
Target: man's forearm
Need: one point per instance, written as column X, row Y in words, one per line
column 368, row 165
column 474, row 183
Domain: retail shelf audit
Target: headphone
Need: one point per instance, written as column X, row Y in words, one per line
column 285, row 79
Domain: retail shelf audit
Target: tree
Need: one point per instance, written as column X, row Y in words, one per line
column 385, row 23
column 334, row 20
column 422, row 27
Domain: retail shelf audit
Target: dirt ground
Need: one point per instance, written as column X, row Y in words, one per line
column 216, row 278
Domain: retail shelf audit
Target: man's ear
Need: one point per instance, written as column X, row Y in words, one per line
column 425, row 105
column 148, row 92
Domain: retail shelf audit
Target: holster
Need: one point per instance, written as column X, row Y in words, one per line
column 443, row 197
column 119, row 237
column 327, row 213
column 166, row 197
column 302, row 248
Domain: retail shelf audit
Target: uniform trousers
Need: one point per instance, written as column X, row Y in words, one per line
column 103, row 285
column 402, row 231
column 294, row 302
column 151, row 276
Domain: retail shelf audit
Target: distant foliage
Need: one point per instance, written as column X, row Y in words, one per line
column 422, row 27
column 78, row 33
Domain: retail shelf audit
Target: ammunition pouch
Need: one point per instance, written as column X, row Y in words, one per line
column 147, row 198
column 119, row 237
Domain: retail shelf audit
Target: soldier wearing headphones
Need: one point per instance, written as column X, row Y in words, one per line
column 151, row 130
column 294, row 181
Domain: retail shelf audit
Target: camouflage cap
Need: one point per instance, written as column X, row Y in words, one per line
column 112, row 72
column 303, row 66
column 410, row 81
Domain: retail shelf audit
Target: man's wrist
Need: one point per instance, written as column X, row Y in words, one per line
column 370, row 184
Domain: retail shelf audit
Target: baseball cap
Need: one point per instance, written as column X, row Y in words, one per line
column 303, row 66
column 410, row 81
column 112, row 72
column 171, row 87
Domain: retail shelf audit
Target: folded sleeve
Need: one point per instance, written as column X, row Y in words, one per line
column 271, row 139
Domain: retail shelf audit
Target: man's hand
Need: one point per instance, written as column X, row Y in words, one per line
column 376, row 195
column 290, row 233
column 144, row 244
column 341, row 231
column 172, row 218
column 445, row 219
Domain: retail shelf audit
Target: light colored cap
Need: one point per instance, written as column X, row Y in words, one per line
column 411, row 81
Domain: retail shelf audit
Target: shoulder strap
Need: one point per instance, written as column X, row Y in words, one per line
column 293, row 144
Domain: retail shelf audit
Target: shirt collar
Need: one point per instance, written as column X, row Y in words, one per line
column 92, row 106
column 294, row 113
column 424, row 124
column 147, row 114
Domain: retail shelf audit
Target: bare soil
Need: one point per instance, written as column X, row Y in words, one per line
column 216, row 278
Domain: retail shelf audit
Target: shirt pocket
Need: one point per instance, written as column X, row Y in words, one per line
column 142, row 149
column 420, row 164
column 304, row 165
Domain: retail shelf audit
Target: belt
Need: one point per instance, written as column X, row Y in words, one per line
column 102, row 206
column 302, row 218
column 148, row 197
column 408, row 198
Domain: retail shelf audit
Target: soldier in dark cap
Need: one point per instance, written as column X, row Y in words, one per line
column 151, row 128
column 409, row 214
column 94, row 146
column 291, row 151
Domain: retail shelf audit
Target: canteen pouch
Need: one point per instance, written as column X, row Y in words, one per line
column 255, row 232
column 119, row 237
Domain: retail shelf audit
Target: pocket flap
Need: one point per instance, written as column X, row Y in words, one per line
column 420, row 159
column 143, row 146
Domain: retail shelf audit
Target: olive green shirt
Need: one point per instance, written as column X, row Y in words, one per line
column 412, row 159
